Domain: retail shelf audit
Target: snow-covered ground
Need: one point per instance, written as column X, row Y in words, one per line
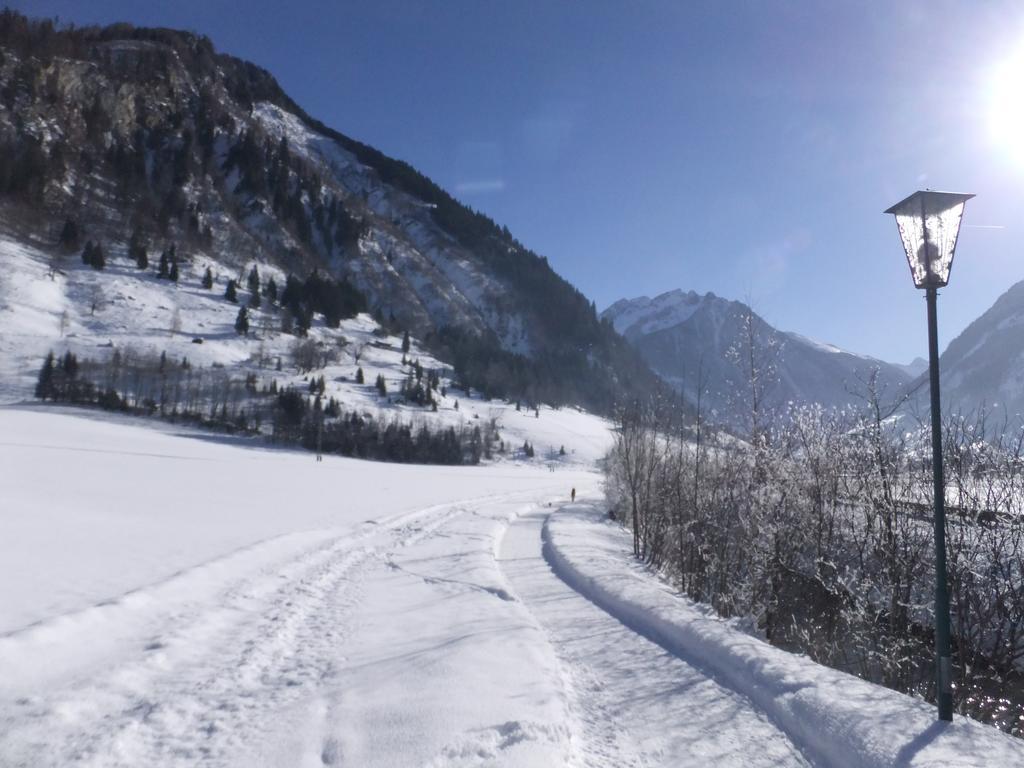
column 174, row 598
column 177, row 599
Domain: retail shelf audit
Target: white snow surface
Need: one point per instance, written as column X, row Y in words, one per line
column 182, row 599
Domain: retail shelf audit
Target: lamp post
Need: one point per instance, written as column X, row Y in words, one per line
column 929, row 223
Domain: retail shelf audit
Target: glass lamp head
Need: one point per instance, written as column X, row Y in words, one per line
column 929, row 224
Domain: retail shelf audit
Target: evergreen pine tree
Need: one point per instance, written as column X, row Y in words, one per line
column 99, row 259
column 87, row 253
column 231, row 293
column 360, row 379
column 242, row 322
column 44, row 387
column 208, row 279
column 69, row 236
column 254, row 280
column 164, row 269
column 137, row 250
column 405, row 344
column 173, row 274
column 270, row 291
column 382, row 387
column 69, row 364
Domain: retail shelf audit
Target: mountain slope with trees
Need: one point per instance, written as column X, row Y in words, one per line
column 150, row 141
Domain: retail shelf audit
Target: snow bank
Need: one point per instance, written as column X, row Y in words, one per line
column 837, row 719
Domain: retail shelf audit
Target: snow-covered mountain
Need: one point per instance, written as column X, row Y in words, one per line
column 984, row 365
column 681, row 334
column 120, row 133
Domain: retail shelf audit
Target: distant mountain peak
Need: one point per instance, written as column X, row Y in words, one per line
column 915, row 367
column 644, row 315
column 682, row 332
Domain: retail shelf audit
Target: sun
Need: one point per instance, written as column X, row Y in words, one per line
column 1007, row 106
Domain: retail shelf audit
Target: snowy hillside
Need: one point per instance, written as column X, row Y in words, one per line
column 123, row 309
column 683, row 334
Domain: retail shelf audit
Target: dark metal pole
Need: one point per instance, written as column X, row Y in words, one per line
column 944, row 666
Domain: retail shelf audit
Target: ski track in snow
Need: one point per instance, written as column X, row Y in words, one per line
column 267, row 642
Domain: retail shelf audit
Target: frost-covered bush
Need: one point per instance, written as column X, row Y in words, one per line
column 819, row 529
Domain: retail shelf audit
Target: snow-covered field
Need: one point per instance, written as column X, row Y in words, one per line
column 173, row 598
column 176, row 599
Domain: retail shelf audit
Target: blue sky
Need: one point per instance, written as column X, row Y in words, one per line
column 747, row 148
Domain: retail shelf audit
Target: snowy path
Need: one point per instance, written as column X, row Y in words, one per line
column 636, row 704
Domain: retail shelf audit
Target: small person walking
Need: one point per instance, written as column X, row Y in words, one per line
column 573, row 494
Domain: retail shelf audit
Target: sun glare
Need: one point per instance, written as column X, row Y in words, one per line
column 1007, row 108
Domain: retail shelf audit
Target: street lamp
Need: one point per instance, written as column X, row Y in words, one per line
column 929, row 223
